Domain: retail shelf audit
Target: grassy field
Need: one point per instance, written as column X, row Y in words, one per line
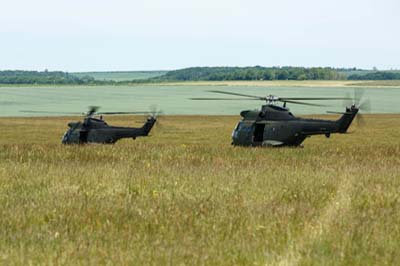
column 175, row 100
column 185, row 196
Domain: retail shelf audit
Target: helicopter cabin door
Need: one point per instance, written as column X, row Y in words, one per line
column 83, row 136
column 258, row 134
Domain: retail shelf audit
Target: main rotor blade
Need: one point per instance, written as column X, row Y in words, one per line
column 50, row 112
column 303, row 103
column 92, row 110
column 121, row 113
column 223, row 99
column 239, row 94
column 317, row 99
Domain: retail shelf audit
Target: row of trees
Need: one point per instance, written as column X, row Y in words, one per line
column 201, row 73
column 382, row 75
column 45, row 77
column 252, row 73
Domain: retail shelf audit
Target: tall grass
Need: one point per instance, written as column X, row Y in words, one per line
column 186, row 196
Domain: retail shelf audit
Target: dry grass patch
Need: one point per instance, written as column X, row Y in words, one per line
column 186, row 196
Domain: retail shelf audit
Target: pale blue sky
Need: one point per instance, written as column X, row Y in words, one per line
column 96, row 35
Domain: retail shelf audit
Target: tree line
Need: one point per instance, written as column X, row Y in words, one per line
column 200, row 74
column 382, row 75
column 42, row 77
column 252, row 73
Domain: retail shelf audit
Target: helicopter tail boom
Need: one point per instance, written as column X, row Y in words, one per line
column 148, row 125
column 345, row 120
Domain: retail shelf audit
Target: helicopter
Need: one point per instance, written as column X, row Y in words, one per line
column 275, row 125
column 96, row 130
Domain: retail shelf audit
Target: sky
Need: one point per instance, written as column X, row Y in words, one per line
column 99, row 35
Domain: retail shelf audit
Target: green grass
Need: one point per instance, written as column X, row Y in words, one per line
column 186, row 196
column 121, row 75
column 174, row 99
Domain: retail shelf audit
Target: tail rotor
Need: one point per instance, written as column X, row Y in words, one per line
column 156, row 113
column 358, row 101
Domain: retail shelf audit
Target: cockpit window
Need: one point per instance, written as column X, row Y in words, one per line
column 74, row 124
column 239, row 126
column 72, row 134
column 237, row 129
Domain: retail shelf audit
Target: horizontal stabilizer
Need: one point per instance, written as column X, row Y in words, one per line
column 341, row 113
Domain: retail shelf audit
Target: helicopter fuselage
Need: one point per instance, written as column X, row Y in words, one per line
column 276, row 126
column 93, row 130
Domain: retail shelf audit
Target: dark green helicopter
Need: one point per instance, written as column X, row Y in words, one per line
column 96, row 130
column 275, row 125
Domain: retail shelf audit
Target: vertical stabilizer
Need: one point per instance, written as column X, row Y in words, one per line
column 149, row 125
column 345, row 121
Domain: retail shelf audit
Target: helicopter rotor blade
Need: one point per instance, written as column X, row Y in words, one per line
column 362, row 105
column 287, row 99
column 358, row 95
column 154, row 111
column 302, row 103
column 357, row 100
column 49, row 112
column 365, row 106
column 92, row 110
column 121, row 113
column 223, row 99
column 313, row 98
column 238, row 94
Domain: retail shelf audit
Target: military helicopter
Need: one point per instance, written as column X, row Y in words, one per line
column 96, row 130
column 275, row 125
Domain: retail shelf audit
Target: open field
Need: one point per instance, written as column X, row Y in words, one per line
column 175, row 99
column 185, row 196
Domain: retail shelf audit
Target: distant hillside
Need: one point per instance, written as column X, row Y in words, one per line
column 121, row 75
